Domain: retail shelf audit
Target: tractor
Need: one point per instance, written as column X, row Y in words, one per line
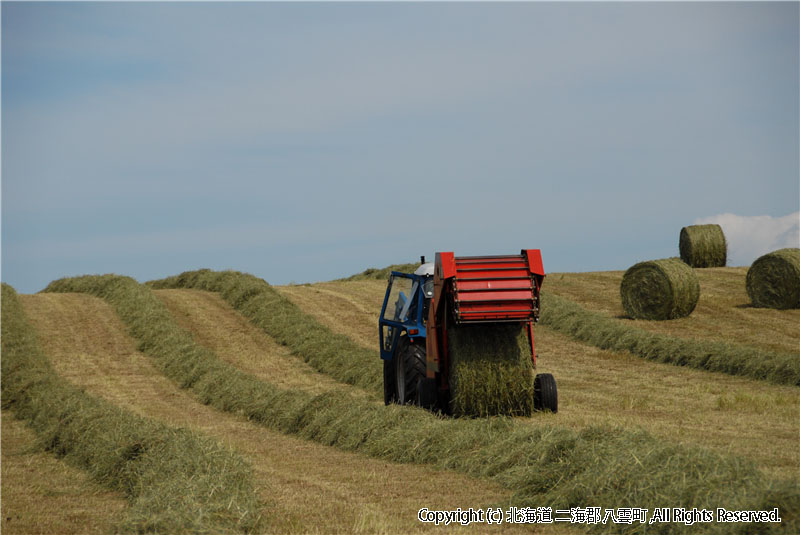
column 420, row 308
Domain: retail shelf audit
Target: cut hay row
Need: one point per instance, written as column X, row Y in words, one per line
column 542, row 464
column 773, row 281
column 175, row 481
column 42, row 494
column 330, row 353
column 663, row 289
column 703, row 246
column 601, row 331
column 382, row 273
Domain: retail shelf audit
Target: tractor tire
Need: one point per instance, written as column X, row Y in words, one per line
column 545, row 395
column 409, row 370
column 389, row 383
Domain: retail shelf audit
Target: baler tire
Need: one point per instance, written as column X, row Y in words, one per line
column 427, row 393
column 409, row 369
column 545, row 394
column 389, row 383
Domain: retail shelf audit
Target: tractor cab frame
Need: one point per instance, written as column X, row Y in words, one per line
column 404, row 310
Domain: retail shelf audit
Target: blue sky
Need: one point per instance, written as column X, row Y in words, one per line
column 309, row 141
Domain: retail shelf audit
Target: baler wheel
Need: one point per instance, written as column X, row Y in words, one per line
column 427, row 394
column 389, row 383
column 545, row 395
column 409, row 369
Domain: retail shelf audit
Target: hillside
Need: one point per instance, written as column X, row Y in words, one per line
column 304, row 485
column 692, row 406
column 209, row 353
column 723, row 312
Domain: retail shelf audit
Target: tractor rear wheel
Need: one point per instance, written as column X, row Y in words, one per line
column 389, row 383
column 409, row 370
column 545, row 395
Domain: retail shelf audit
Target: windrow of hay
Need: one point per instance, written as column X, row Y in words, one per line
column 382, row 273
column 43, row 495
column 605, row 332
column 773, row 281
column 545, row 465
column 330, row 353
column 703, row 246
column 491, row 371
column 659, row 290
column 175, row 480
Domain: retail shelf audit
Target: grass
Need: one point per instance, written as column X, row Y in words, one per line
column 309, row 487
column 175, row 481
column 542, row 464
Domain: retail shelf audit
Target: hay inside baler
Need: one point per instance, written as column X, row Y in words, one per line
column 491, row 372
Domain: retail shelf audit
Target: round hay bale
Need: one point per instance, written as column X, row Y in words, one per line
column 773, row 281
column 703, row 246
column 659, row 290
column 491, row 371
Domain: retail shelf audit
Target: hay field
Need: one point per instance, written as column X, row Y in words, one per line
column 723, row 313
column 303, row 486
column 728, row 414
column 212, row 363
column 174, row 480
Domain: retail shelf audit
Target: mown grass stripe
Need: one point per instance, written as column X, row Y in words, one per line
column 175, row 480
column 601, row 331
column 544, row 465
column 331, row 353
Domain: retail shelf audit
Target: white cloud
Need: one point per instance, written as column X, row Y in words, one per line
column 752, row 236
